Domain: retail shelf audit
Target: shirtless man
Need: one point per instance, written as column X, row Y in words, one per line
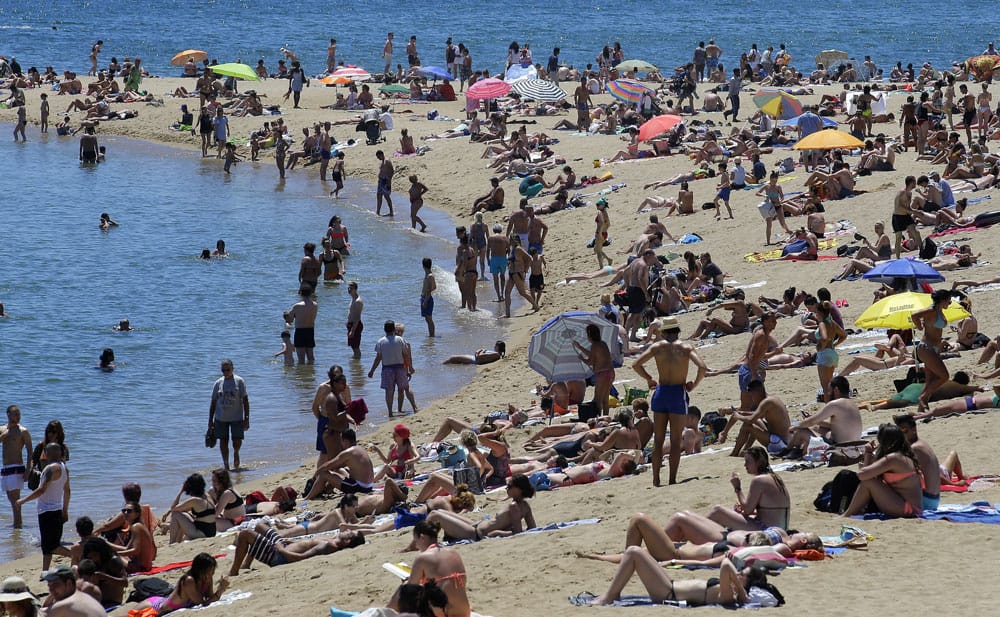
column 767, row 421
column 929, row 465
column 839, row 182
column 490, row 201
column 497, row 246
column 354, row 325
column 303, row 315
column 637, row 289
column 68, row 601
column 581, row 98
column 310, row 267
column 968, row 111
column 537, row 231
column 599, row 359
column 325, row 154
column 839, row 421
column 468, row 272
column 319, row 400
column 264, row 544
column 384, row 191
column 351, row 471
column 387, row 54
column 15, row 439
column 670, row 399
column 902, row 215
column 427, row 289
column 518, row 223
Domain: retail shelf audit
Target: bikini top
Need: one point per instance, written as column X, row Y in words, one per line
column 893, row 477
column 236, row 503
column 940, row 322
column 210, row 511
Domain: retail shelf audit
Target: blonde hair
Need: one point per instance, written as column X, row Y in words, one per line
column 400, row 329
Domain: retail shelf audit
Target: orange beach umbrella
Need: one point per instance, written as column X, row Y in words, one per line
column 828, row 140
column 188, row 54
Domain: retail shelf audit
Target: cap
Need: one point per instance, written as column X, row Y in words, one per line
column 402, row 430
column 669, row 323
column 602, row 202
column 14, row 589
column 62, row 572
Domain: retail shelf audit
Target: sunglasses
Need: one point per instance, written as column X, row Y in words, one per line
column 127, row 510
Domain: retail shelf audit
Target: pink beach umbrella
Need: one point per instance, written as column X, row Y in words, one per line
column 352, row 72
column 489, row 88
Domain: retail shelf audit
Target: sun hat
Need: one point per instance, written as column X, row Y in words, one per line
column 15, row 589
column 402, row 430
column 669, row 323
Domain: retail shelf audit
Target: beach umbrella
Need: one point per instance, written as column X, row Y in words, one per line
column 827, row 122
column 638, row 66
column 829, row 57
column 394, row 89
column 658, row 125
column 188, row 54
column 917, row 271
column 982, row 66
column 828, row 140
column 627, row 90
column 330, row 80
column 354, row 72
column 894, row 311
column 551, row 352
column 434, row 72
column 538, row 90
column 489, row 88
column 778, row 104
column 235, row 69
column 520, row 71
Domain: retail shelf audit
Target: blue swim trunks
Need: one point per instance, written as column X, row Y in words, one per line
column 535, row 245
column 672, row 398
column 427, row 307
column 930, row 502
column 498, row 264
column 746, row 376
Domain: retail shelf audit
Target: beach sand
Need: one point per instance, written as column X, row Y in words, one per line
column 911, row 566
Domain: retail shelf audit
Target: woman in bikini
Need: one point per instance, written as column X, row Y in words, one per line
column 444, row 566
column 195, row 516
column 603, row 223
column 333, row 263
column 773, row 193
column 139, row 549
column 193, row 589
column 402, row 456
column 519, row 261
column 229, row 507
column 766, row 504
column 337, row 233
column 932, row 321
column 890, row 477
column 507, row 522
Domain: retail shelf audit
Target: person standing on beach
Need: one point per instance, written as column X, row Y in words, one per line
column 385, row 173
column 735, row 84
column 552, row 66
column 581, row 98
column 331, row 56
column 700, row 57
column 427, row 296
column 468, row 274
column 44, row 114
column 411, row 53
column 902, row 215
column 712, row 55
column 53, row 504
column 497, row 246
column 280, row 150
column 221, row 124
column 310, row 267
column 387, row 54
column 229, row 398
column 324, row 151
column 94, row 51
column 671, row 388
column 14, row 438
column 303, row 315
column 392, row 353
column 354, row 325
column 417, row 190
column 22, row 121
column 296, row 79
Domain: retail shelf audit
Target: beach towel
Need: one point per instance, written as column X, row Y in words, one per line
column 775, row 254
column 177, row 565
column 227, row 598
column 549, row 527
column 954, row 230
column 759, row 598
column 975, row 512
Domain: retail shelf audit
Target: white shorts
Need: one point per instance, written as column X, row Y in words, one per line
column 14, row 481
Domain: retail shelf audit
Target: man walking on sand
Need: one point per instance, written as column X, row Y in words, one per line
column 354, row 325
column 427, row 296
column 229, row 413
column 303, row 315
column 15, row 439
column 671, row 388
column 385, row 173
column 392, row 353
column 497, row 246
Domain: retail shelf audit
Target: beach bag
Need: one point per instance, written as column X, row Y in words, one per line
column 766, row 209
column 586, row 411
column 843, row 454
column 451, row 456
column 255, row 498
column 284, row 493
column 632, row 394
column 210, row 438
column 470, row 476
column 540, row 481
column 929, row 249
column 838, row 493
column 358, row 410
column 34, row 478
column 711, row 424
column 149, row 587
column 787, row 166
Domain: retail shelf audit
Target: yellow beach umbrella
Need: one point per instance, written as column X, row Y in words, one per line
column 828, row 140
column 188, row 54
column 894, row 311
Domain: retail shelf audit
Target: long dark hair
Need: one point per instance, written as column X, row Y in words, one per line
column 890, row 440
column 761, row 458
column 202, row 567
column 757, row 577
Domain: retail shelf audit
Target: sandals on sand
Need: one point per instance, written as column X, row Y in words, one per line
column 582, row 599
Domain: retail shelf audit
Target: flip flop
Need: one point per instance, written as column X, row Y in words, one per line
column 582, row 599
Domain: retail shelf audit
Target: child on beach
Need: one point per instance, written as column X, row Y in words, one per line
column 287, row 349
column 337, row 174
column 402, row 456
column 221, row 124
column 725, row 188
column 45, row 113
column 417, row 190
column 536, row 278
column 63, row 128
column 231, row 157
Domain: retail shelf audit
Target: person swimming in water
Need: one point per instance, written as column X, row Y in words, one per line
column 107, row 360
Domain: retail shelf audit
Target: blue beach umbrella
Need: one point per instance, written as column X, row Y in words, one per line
column 912, row 269
column 551, row 352
column 827, row 122
column 434, row 72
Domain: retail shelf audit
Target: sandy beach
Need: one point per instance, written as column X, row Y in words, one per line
column 911, row 566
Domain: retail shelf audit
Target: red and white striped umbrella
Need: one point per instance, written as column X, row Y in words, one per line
column 489, row 88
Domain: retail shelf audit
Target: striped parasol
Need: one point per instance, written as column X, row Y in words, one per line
column 489, row 88
column 538, row 90
column 778, row 104
column 627, row 90
column 354, row 72
column 551, row 352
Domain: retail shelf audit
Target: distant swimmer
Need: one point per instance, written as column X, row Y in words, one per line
column 220, row 249
column 107, row 222
column 107, row 360
column 482, row 356
column 123, row 326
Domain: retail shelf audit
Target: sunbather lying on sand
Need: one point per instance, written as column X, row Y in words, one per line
column 506, row 523
column 265, row 545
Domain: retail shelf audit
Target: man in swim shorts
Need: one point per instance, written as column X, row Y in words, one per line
column 392, row 352
column 497, row 246
column 384, row 191
column 229, row 412
column 902, row 215
column 303, row 315
column 670, row 397
column 266, row 546
column 636, row 281
column 387, row 54
column 581, row 97
column 354, row 325
column 351, row 471
column 427, row 296
column 766, row 421
column 15, row 439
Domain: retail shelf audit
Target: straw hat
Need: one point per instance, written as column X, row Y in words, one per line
column 15, row 589
column 669, row 323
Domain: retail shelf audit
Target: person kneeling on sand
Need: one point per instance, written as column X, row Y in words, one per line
column 266, row 546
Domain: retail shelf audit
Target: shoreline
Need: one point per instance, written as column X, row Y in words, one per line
column 454, row 166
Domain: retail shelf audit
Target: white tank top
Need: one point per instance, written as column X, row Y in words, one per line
column 52, row 499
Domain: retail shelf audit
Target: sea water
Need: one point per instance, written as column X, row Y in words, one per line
column 66, row 284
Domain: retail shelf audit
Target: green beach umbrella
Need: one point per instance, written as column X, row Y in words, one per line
column 235, row 69
column 639, row 66
column 394, row 89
